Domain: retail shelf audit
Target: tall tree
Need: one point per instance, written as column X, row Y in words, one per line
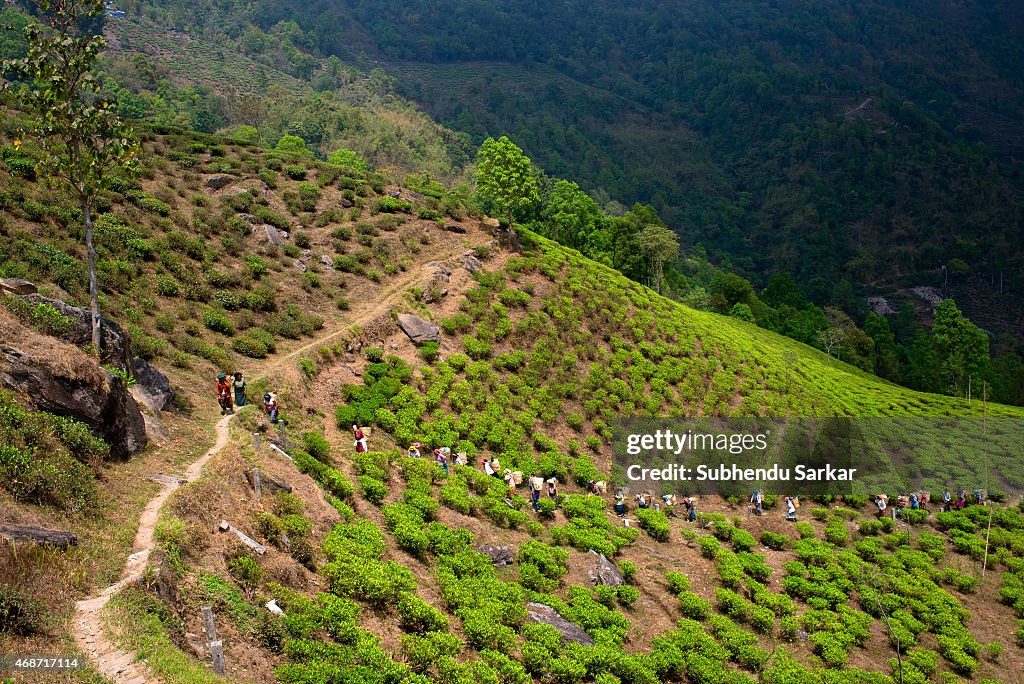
column 659, row 244
column 504, row 178
column 83, row 140
column 961, row 346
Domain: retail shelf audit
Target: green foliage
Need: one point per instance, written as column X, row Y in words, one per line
column 392, row 205
column 654, row 523
column 418, row 616
column 330, row 479
column 504, row 179
column 316, row 445
column 218, row 321
column 776, row 542
column 20, row 615
column 44, row 459
column 44, row 317
column 540, row 565
column 246, row 571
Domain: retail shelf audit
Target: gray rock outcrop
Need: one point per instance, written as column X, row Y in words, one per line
column 17, row 286
column 418, row 329
column 570, row 631
column 605, row 572
column 156, row 384
column 102, row 403
column 219, row 181
column 500, row 555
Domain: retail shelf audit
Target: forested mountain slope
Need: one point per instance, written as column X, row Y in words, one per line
column 869, row 141
column 371, row 555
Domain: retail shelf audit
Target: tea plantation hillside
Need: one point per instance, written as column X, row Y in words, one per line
column 221, row 256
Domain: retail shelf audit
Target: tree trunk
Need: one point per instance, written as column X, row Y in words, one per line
column 94, row 293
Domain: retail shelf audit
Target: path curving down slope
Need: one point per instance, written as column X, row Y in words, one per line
column 118, row 665
column 122, row 666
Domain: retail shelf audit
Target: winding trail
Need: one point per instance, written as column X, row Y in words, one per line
column 119, row 665
column 122, row 666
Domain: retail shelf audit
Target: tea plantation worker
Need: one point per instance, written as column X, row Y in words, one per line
column 510, row 481
column 881, row 500
column 491, row 467
column 460, row 458
column 947, row 500
column 241, row 398
column 440, row 459
column 552, row 488
column 620, row 503
column 641, row 501
column 536, row 484
column 669, row 502
column 224, row 394
column 691, row 508
column 270, row 406
column 915, row 503
column 414, row 450
column 360, row 439
column 496, row 467
column 758, row 502
column 791, row 508
column 979, row 497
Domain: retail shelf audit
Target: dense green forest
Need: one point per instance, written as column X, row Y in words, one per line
column 798, row 184
column 739, row 122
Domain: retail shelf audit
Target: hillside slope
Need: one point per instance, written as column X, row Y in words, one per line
column 540, row 350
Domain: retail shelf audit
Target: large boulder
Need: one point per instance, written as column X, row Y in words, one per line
column 17, row 286
column 500, row 555
column 155, row 430
column 273, row 236
column 418, row 329
column 115, row 344
column 604, row 571
column 219, row 181
column 155, row 383
column 538, row 612
column 79, row 390
column 473, row 264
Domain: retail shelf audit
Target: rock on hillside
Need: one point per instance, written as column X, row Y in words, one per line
column 116, row 346
column 63, row 380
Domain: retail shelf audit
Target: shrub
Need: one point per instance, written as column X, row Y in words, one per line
column 628, row 570
column 43, row 317
column 762, row 619
column 392, row 205
column 20, row 615
column 693, row 606
column 415, row 614
column 316, row 445
column 835, row 532
column 709, row 547
column 655, row 524
column 774, row 541
column 218, row 321
column 805, row 530
column 742, row 540
column 373, row 489
column 246, row 571
column 677, row 581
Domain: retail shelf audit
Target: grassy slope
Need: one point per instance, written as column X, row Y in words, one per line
column 365, row 115
column 578, row 314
